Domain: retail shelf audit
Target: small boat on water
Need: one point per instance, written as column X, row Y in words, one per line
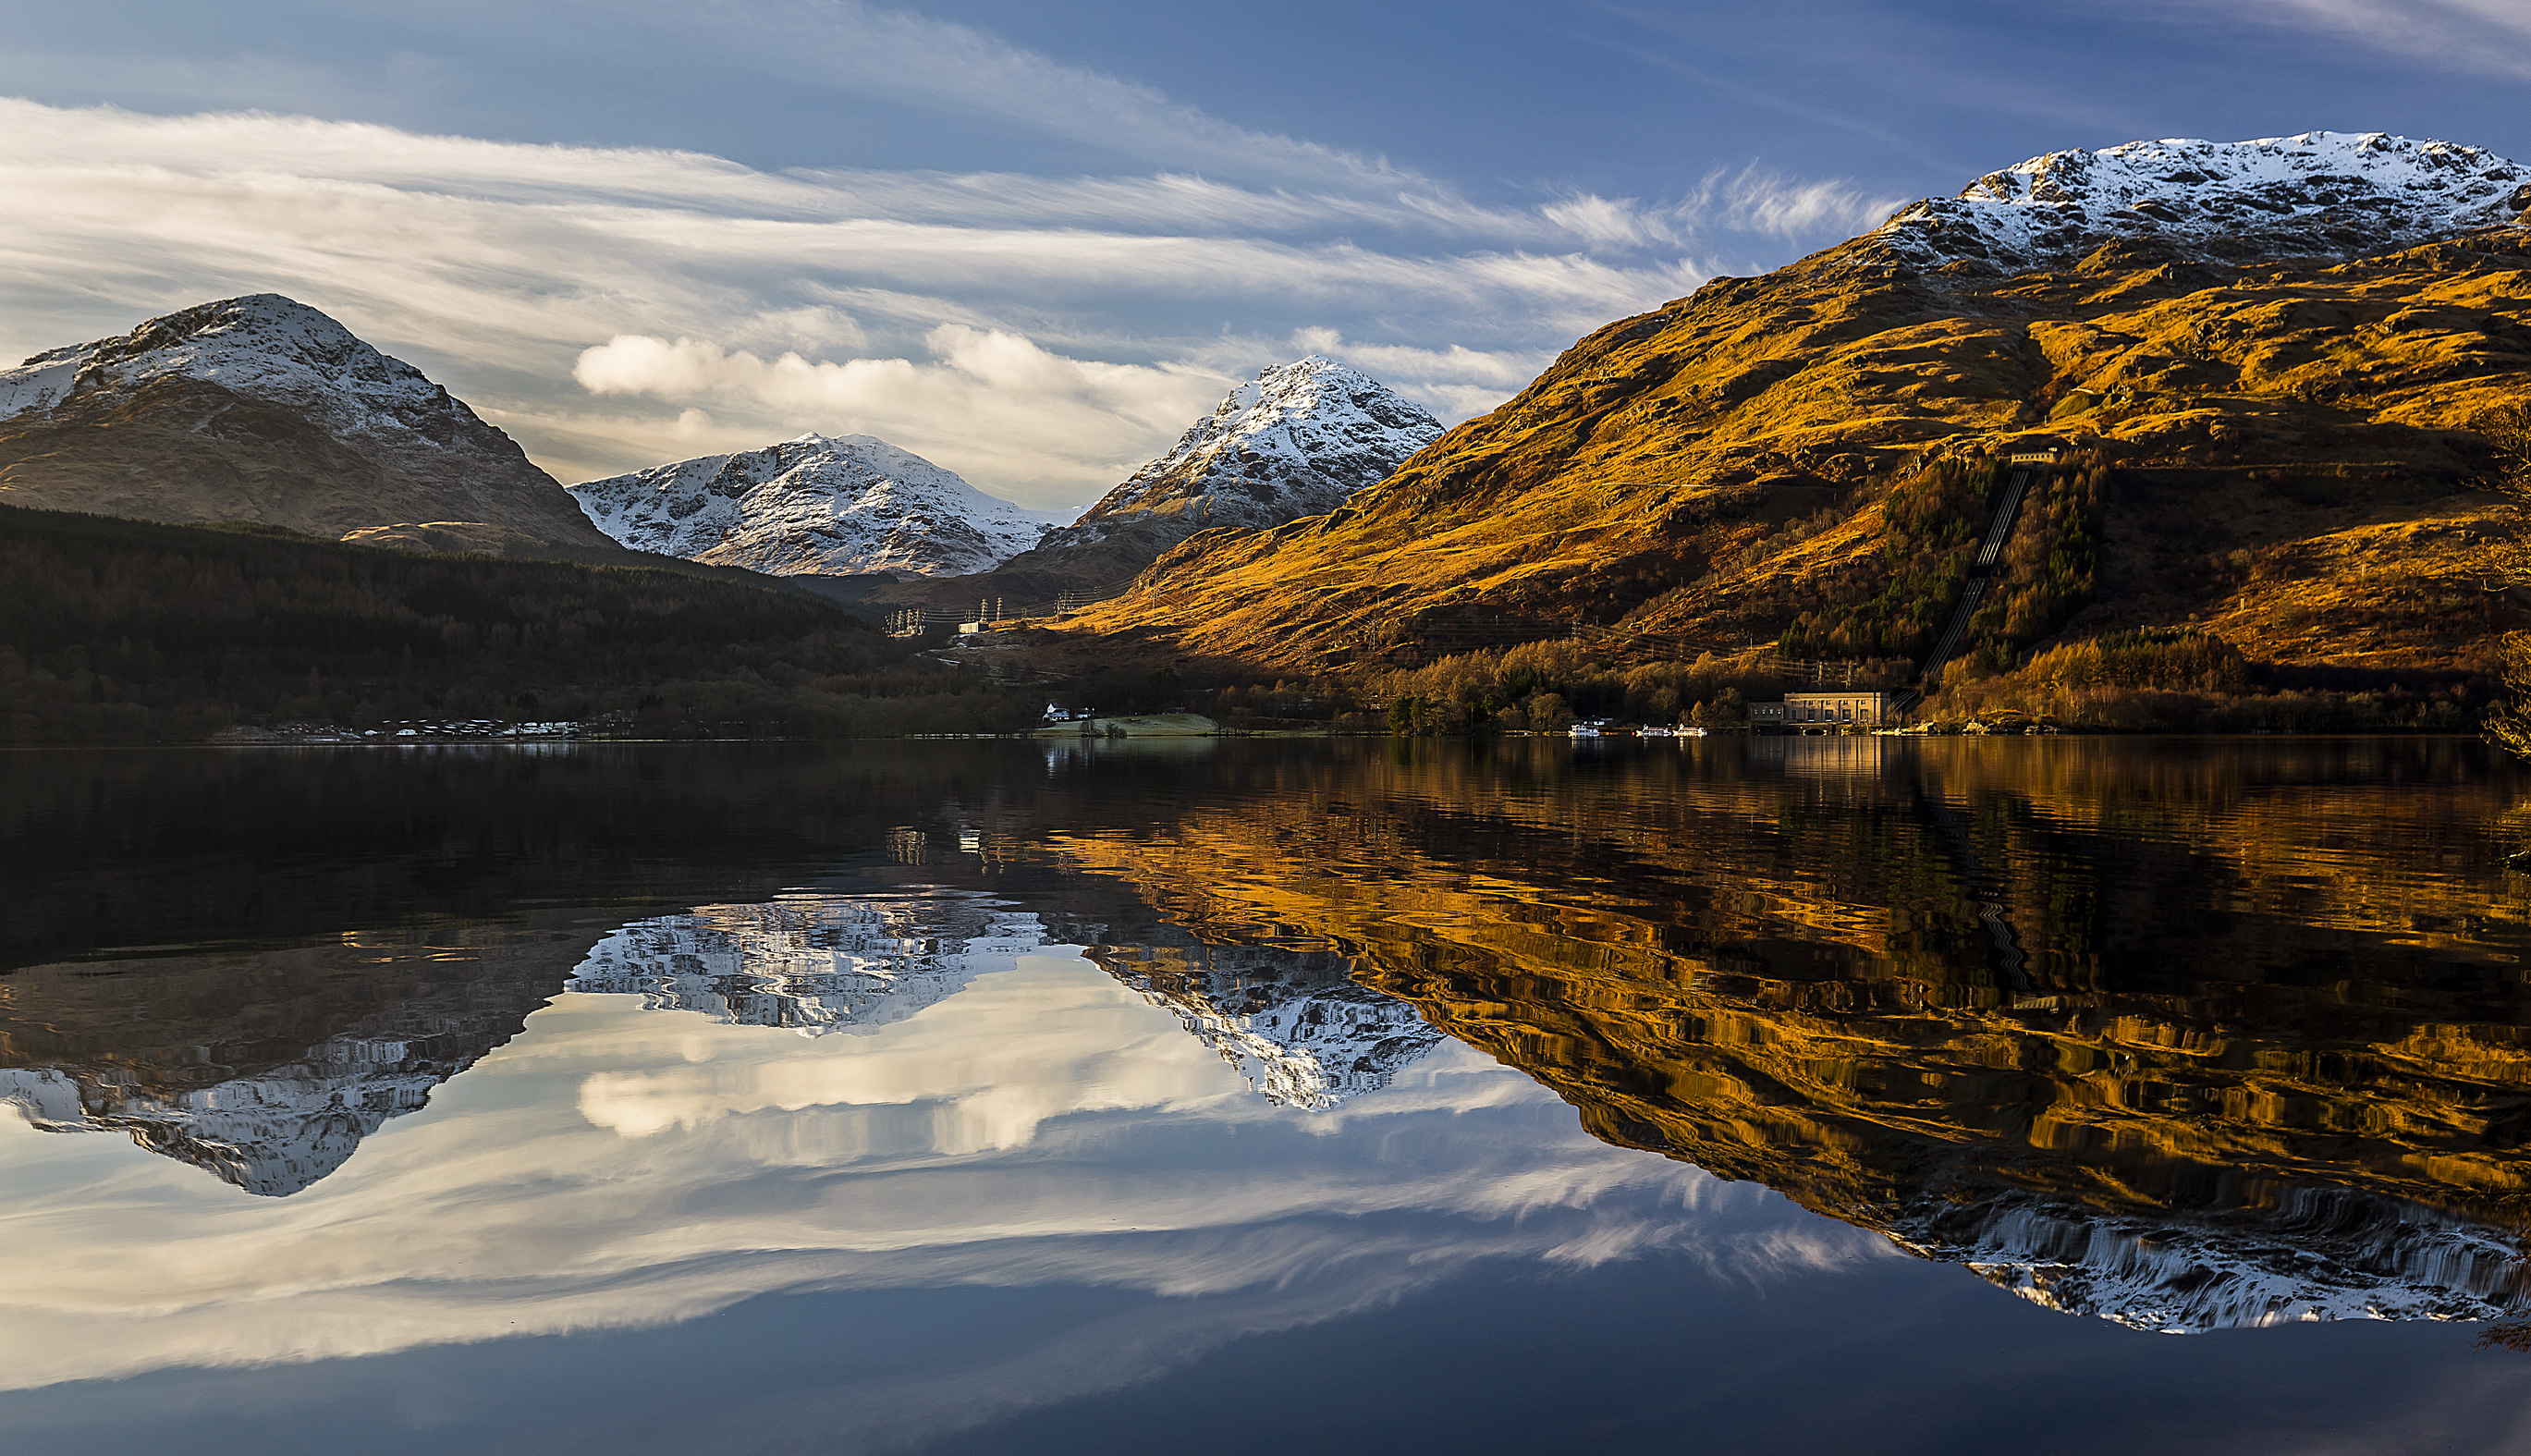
column 1590, row 728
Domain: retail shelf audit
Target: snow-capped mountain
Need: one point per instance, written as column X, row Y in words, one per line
column 814, row 962
column 817, row 505
column 1294, row 1023
column 2321, row 193
column 263, row 408
column 2320, row 1254
column 264, row 347
column 1294, row 441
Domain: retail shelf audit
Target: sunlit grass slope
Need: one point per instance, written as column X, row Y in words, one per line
column 2286, row 454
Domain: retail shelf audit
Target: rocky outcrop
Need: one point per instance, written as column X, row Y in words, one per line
column 262, row 409
column 818, row 505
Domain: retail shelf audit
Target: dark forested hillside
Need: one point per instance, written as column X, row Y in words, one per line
column 128, row 630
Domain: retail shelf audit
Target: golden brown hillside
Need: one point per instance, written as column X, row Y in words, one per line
column 2286, row 452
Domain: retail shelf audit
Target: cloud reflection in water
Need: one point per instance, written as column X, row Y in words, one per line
column 614, row 1167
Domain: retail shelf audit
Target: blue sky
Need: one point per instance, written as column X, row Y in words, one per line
column 1033, row 240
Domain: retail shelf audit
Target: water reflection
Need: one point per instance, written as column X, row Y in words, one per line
column 266, row 1070
column 1295, row 1024
column 619, row 1166
column 814, row 962
column 2182, row 1037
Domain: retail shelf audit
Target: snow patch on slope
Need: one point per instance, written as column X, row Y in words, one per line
column 2314, row 195
column 1294, row 441
column 816, row 505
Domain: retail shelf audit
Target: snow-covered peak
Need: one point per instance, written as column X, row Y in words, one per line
column 2320, row 194
column 821, row 505
column 1294, row 441
column 262, row 347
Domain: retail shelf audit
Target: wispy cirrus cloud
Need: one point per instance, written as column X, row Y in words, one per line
column 1754, row 201
column 879, row 51
column 1043, row 335
column 2488, row 37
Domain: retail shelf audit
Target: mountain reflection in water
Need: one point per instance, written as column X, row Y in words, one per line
column 274, row 1122
column 2184, row 1036
column 1295, row 1024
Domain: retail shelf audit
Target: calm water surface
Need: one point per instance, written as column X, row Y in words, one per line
column 1854, row 1094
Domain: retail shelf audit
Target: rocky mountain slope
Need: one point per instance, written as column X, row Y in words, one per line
column 2276, row 349
column 817, row 505
column 261, row 409
column 2325, row 194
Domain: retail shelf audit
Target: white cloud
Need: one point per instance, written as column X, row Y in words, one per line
column 1007, row 406
column 1043, row 336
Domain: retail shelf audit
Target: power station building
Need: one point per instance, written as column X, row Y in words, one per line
column 1816, row 711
